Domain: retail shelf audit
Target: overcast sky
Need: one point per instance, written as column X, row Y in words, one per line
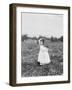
column 42, row 24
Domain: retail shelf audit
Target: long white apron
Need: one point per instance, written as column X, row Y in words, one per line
column 43, row 56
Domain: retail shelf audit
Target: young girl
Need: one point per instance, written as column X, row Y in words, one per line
column 43, row 57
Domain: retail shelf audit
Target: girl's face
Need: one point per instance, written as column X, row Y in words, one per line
column 41, row 42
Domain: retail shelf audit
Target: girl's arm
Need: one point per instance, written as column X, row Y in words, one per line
column 49, row 48
column 46, row 46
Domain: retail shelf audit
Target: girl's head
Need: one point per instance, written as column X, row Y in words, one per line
column 41, row 41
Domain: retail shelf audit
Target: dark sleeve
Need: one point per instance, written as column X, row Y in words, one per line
column 47, row 46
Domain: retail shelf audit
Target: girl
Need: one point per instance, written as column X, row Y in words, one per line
column 43, row 57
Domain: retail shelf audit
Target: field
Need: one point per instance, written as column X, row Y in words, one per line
column 29, row 56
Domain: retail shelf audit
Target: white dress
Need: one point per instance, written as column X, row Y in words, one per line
column 43, row 56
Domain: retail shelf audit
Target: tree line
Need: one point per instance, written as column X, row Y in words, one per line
column 53, row 39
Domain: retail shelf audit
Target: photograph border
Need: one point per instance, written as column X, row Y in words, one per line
column 13, row 44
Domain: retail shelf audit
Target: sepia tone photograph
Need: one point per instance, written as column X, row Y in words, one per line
column 41, row 44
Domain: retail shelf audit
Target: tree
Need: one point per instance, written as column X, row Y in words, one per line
column 54, row 39
column 61, row 38
column 24, row 37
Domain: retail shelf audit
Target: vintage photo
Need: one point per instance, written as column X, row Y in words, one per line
column 41, row 44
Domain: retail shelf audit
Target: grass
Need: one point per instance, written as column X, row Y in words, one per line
column 29, row 54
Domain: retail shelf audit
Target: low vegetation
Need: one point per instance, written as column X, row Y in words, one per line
column 29, row 55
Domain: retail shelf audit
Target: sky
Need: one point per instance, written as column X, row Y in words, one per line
column 35, row 24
